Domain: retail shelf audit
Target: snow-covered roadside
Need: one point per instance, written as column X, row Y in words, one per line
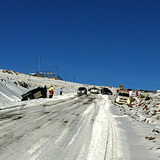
column 140, row 126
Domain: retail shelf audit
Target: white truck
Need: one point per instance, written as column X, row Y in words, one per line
column 123, row 97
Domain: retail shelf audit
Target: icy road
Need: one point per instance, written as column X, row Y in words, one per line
column 76, row 128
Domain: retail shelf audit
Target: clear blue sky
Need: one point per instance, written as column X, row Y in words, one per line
column 101, row 42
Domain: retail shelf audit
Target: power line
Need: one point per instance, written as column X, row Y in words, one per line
column 92, row 72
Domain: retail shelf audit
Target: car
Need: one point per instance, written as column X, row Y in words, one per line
column 106, row 91
column 39, row 92
column 82, row 91
column 123, row 98
column 94, row 90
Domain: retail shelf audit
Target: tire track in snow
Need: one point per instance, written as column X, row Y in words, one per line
column 78, row 144
column 33, row 152
column 111, row 147
column 104, row 145
column 69, row 136
column 21, row 129
column 99, row 135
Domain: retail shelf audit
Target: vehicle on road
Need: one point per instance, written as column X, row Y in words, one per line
column 123, row 98
column 106, row 91
column 94, row 90
column 82, row 91
column 39, row 92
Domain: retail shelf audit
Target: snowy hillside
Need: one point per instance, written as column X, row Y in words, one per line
column 70, row 127
column 14, row 84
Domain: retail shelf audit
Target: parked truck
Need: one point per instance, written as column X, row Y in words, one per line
column 123, row 97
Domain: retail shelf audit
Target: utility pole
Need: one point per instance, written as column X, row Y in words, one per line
column 89, row 80
column 56, row 71
column 39, row 65
column 29, row 72
column 65, row 78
